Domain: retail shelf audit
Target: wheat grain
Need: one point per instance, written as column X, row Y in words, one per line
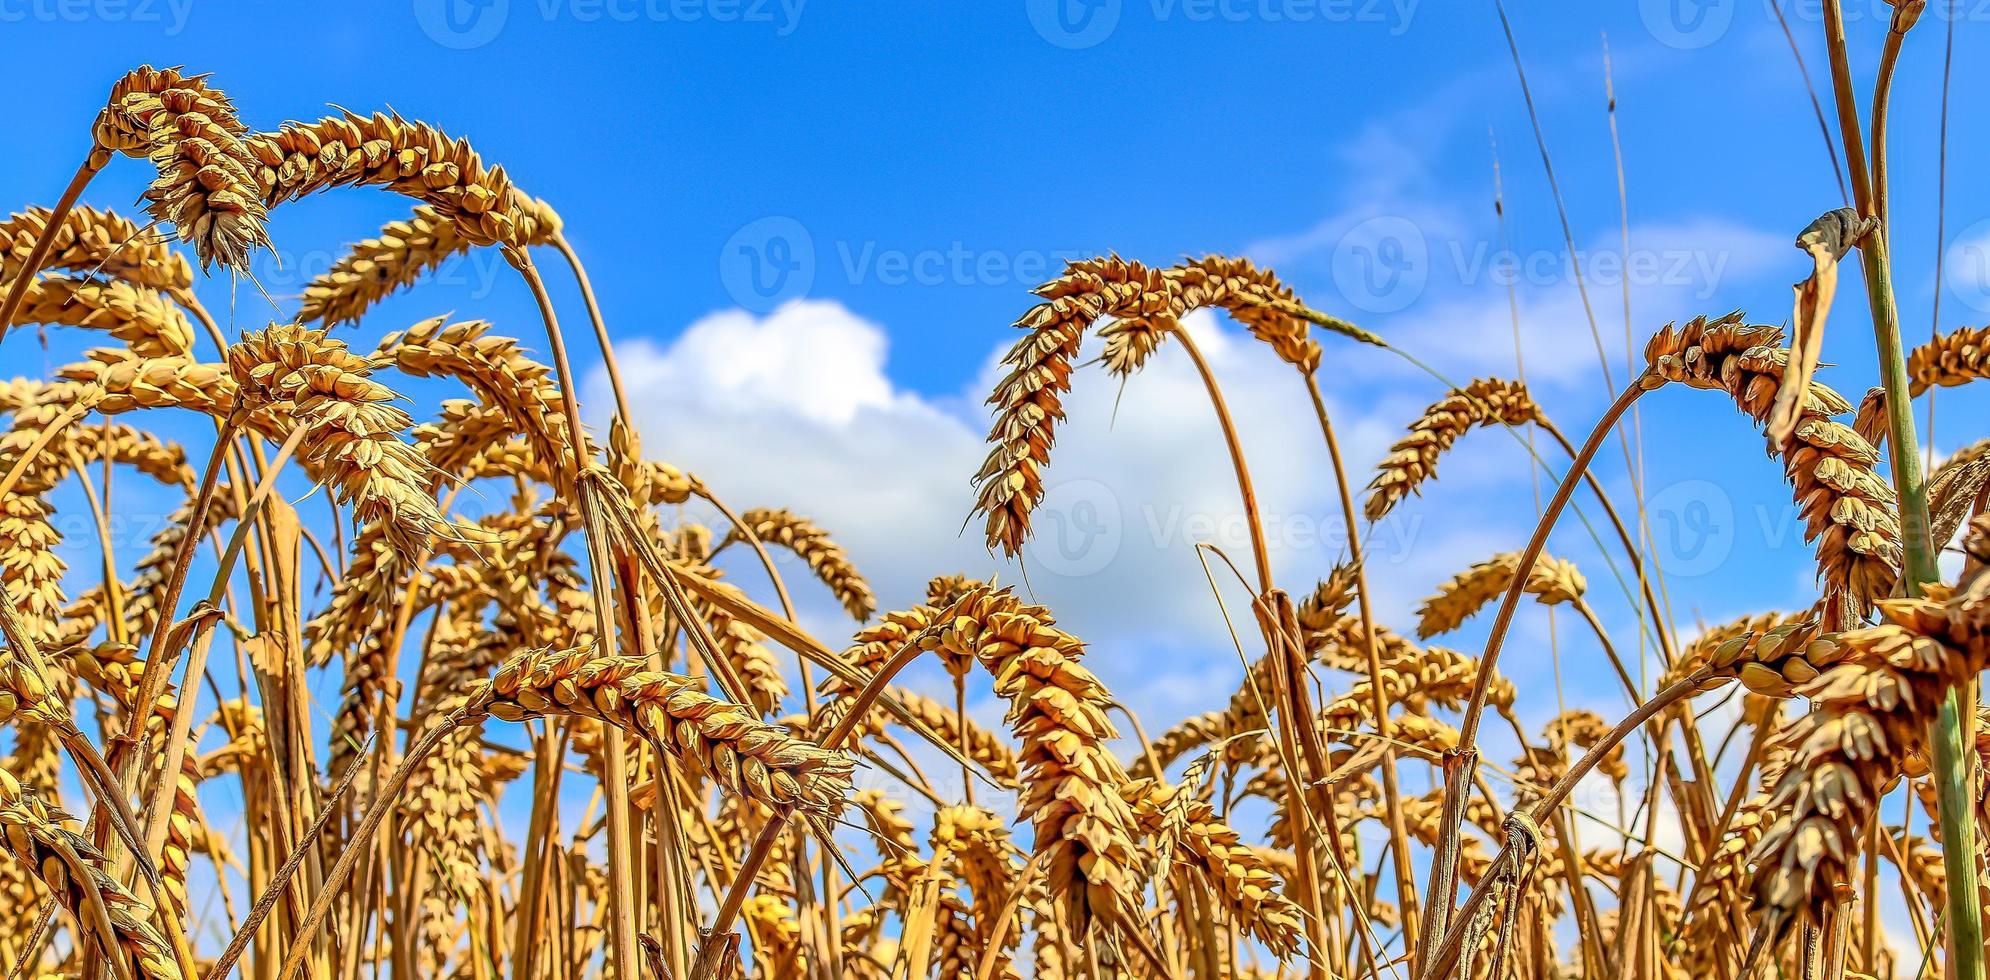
column 497, row 368
column 1771, row 655
column 1252, row 295
column 1950, row 360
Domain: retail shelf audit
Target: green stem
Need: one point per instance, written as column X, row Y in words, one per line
column 1948, row 731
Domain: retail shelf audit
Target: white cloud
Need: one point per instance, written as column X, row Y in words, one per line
column 796, row 409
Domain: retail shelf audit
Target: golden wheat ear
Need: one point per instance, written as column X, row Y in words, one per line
column 206, row 186
column 1413, row 459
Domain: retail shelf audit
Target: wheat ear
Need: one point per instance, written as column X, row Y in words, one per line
column 1869, row 716
column 746, row 756
column 72, row 868
column 205, row 186
column 401, row 254
column 1413, row 459
column 409, row 158
column 1848, row 509
column 813, row 545
column 144, row 319
column 1551, row 580
column 95, row 242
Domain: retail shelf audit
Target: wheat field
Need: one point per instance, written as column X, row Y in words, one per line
column 565, row 744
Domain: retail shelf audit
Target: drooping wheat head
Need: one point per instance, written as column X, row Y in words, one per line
column 409, row 158
column 76, row 873
column 823, row 556
column 1413, row 459
column 1552, row 580
column 1244, row 886
column 206, row 186
column 1057, row 709
column 1847, row 508
column 744, row 755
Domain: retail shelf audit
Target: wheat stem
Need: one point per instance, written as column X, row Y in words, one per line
column 1443, row 872
column 1254, row 520
column 18, row 290
column 1392, row 793
column 1953, row 767
column 620, row 848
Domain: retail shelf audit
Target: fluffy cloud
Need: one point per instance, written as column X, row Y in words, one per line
column 797, row 409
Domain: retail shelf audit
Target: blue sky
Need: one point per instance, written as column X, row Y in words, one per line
column 915, row 168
